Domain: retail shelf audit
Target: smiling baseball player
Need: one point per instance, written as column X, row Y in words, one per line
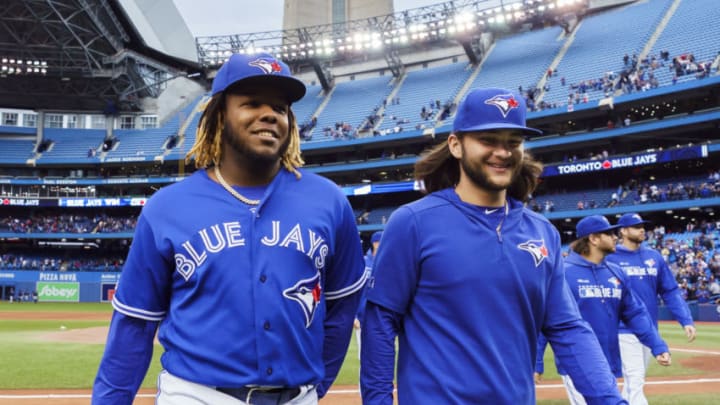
column 467, row 277
column 251, row 267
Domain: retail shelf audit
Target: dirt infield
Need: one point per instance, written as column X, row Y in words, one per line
column 707, row 361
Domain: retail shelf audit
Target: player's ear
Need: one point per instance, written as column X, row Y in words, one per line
column 454, row 146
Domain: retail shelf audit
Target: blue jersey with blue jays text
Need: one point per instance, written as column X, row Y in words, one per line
column 240, row 293
column 472, row 300
column 604, row 299
column 649, row 277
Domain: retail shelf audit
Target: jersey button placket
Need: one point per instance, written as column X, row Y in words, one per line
column 269, row 371
column 263, row 278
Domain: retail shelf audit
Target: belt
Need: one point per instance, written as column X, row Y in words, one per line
column 261, row 395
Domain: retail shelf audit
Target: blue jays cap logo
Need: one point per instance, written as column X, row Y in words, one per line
column 504, row 102
column 307, row 294
column 537, row 250
column 268, row 66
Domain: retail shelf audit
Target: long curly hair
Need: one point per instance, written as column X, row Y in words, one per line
column 439, row 169
column 207, row 149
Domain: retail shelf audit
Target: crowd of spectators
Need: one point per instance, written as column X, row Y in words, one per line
column 632, row 192
column 20, row 261
column 693, row 257
column 68, row 223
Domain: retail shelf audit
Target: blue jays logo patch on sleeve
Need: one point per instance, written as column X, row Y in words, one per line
column 504, row 103
column 267, row 66
column 536, row 248
column 307, row 294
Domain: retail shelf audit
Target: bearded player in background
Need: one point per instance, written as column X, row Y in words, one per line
column 649, row 277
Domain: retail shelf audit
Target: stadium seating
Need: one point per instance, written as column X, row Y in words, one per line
column 431, row 88
column 351, row 102
column 600, row 43
column 691, row 30
column 508, row 63
column 72, row 145
column 16, row 150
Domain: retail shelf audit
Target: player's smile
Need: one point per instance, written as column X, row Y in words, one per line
column 266, row 134
column 257, row 124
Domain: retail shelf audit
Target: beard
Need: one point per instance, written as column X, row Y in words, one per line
column 255, row 161
column 477, row 175
column 606, row 250
column 636, row 238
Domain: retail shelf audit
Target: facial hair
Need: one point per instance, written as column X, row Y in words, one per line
column 476, row 174
column 606, row 250
column 635, row 239
column 256, row 162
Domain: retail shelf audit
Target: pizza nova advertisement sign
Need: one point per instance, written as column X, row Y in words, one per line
column 62, row 292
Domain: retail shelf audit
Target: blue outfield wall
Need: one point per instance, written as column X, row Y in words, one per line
column 59, row 286
column 700, row 312
column 99, row 287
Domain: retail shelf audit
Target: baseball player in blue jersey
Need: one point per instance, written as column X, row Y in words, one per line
column 649, row 277
column 369, row 260
column 251, row 267
column 467, row 278
column 604, row 297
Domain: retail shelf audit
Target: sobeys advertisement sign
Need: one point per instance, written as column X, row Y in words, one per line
column 68, row 292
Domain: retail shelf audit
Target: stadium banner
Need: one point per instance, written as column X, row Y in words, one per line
column 632, row 160
column 58, row 291
column 30, row 202
column 102, row 202
column 395, row 187
column 91, row 181
column 58, row 276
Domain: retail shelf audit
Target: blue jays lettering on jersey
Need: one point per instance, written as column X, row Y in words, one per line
column 451, row 306
column 295, row 252
column 604, row 298
column 649, row 277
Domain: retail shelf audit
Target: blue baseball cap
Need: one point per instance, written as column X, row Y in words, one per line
column 631, row 219
column 492, row 108
column 376, row 237
column 593, row 224
column 261, row 68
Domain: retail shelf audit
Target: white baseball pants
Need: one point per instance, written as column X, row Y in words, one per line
column 173, row 390
column 635, row 360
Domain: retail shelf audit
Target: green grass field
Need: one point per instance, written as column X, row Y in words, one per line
column 31, row 362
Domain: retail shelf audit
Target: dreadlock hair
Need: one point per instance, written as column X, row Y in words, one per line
column 439, row 169
column 208, row 141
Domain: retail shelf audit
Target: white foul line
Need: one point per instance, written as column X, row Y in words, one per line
column 695, row 351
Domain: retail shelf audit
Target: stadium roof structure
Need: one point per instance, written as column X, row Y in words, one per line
column 456, row 21
column 79, row 55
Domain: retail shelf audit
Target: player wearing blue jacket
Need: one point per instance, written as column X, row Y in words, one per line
column 467, row 277
column 649, row 277
column 604, row 297
column 251, row 267
column 369, row 261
